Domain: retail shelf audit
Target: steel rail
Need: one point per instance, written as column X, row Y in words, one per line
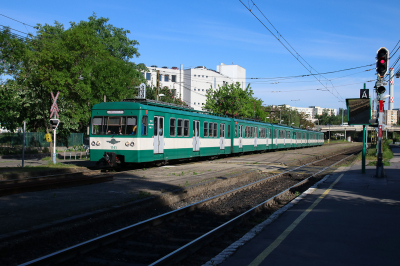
column 196, row 244
column 84, row 247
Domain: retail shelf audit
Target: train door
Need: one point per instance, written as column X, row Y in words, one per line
column 240, row 136
column 158, row 134
column 222, row 136
column 284, row 137
column 196, row 135
column 291, row 138
column 255, row 136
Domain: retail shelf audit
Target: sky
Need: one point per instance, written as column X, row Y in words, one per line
column 319, row 36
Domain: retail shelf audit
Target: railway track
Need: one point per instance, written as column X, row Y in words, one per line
column 172, row 237
column 17, row 186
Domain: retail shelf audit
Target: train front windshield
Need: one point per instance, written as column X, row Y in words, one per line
column 114, row 125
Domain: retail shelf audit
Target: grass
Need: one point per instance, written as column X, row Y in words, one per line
column 372, row 154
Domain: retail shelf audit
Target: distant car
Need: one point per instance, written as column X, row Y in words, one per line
column 175, row 68
column 153, row 66
column 164, row 67
column 201, row 67
column 345, row 124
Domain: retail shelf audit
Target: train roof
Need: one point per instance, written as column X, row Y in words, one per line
column 127, row 104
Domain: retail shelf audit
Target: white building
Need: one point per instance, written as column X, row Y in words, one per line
column 191, row 85
column 312, row 111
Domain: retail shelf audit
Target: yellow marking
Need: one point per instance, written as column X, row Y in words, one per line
column 290, row 228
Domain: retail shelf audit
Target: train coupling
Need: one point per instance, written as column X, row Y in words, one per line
column 109, row 158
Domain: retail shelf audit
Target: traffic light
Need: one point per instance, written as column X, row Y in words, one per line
column 382, row 61
column 380, row 90
column 54, row 123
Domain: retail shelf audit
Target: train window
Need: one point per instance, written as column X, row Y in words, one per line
column 236, row 131
column 172, row 127
column 145, row 124
column 186, row 128
column 210, row 129
column 229, row 131
column 205, row 129
column 288, row 134
column 131, row 125
column 114, row 126
column 280, row 134
column 98, row 127
column 179, row 128
column 260, row 132
column 122, row 130
column 155, row 126
column 221, row 130
column 161, row 127
column 215, row 130
column 252, row 132
column 245, row 131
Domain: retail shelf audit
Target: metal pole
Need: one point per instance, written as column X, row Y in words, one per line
column 379, row 163
column 391, row 89
column 54, row 148
column 342, row 116
column 23, row 145
column 329, row 132
column 363, row 152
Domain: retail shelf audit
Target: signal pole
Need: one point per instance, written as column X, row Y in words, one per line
column 382, row 63
column 379, row 164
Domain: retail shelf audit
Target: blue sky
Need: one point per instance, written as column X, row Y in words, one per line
column 329, row 35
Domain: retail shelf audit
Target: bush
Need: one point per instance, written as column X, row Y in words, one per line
column 46, row 150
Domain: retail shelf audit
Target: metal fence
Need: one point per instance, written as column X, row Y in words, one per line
column 38, row 140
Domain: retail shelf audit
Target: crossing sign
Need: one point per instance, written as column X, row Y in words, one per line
column 54, row 107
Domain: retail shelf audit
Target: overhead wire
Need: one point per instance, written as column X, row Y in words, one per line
column 17, row 20
column 297, row 58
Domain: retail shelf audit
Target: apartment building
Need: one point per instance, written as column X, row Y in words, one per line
column 191, row 85
column 311, row 111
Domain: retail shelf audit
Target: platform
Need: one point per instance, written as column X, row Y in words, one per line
column 350, row 219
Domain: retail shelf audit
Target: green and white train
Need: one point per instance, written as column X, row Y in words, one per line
column 137, row 131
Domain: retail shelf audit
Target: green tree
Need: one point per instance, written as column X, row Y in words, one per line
column 234, row 101
column 84, row 63
column 151, row 94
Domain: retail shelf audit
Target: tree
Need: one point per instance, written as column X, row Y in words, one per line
column 234, row 101
column 151, row 94
column 84, row 63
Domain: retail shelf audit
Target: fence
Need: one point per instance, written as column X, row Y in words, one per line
column 38, row 140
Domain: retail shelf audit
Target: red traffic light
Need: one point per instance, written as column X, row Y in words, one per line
column 382, row 57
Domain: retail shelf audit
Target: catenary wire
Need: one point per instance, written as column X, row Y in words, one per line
column 287, row 47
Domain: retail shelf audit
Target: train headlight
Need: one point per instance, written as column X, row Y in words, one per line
column 98, row 143
column 93, row 143
column 127, row 143
column 132, row 143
